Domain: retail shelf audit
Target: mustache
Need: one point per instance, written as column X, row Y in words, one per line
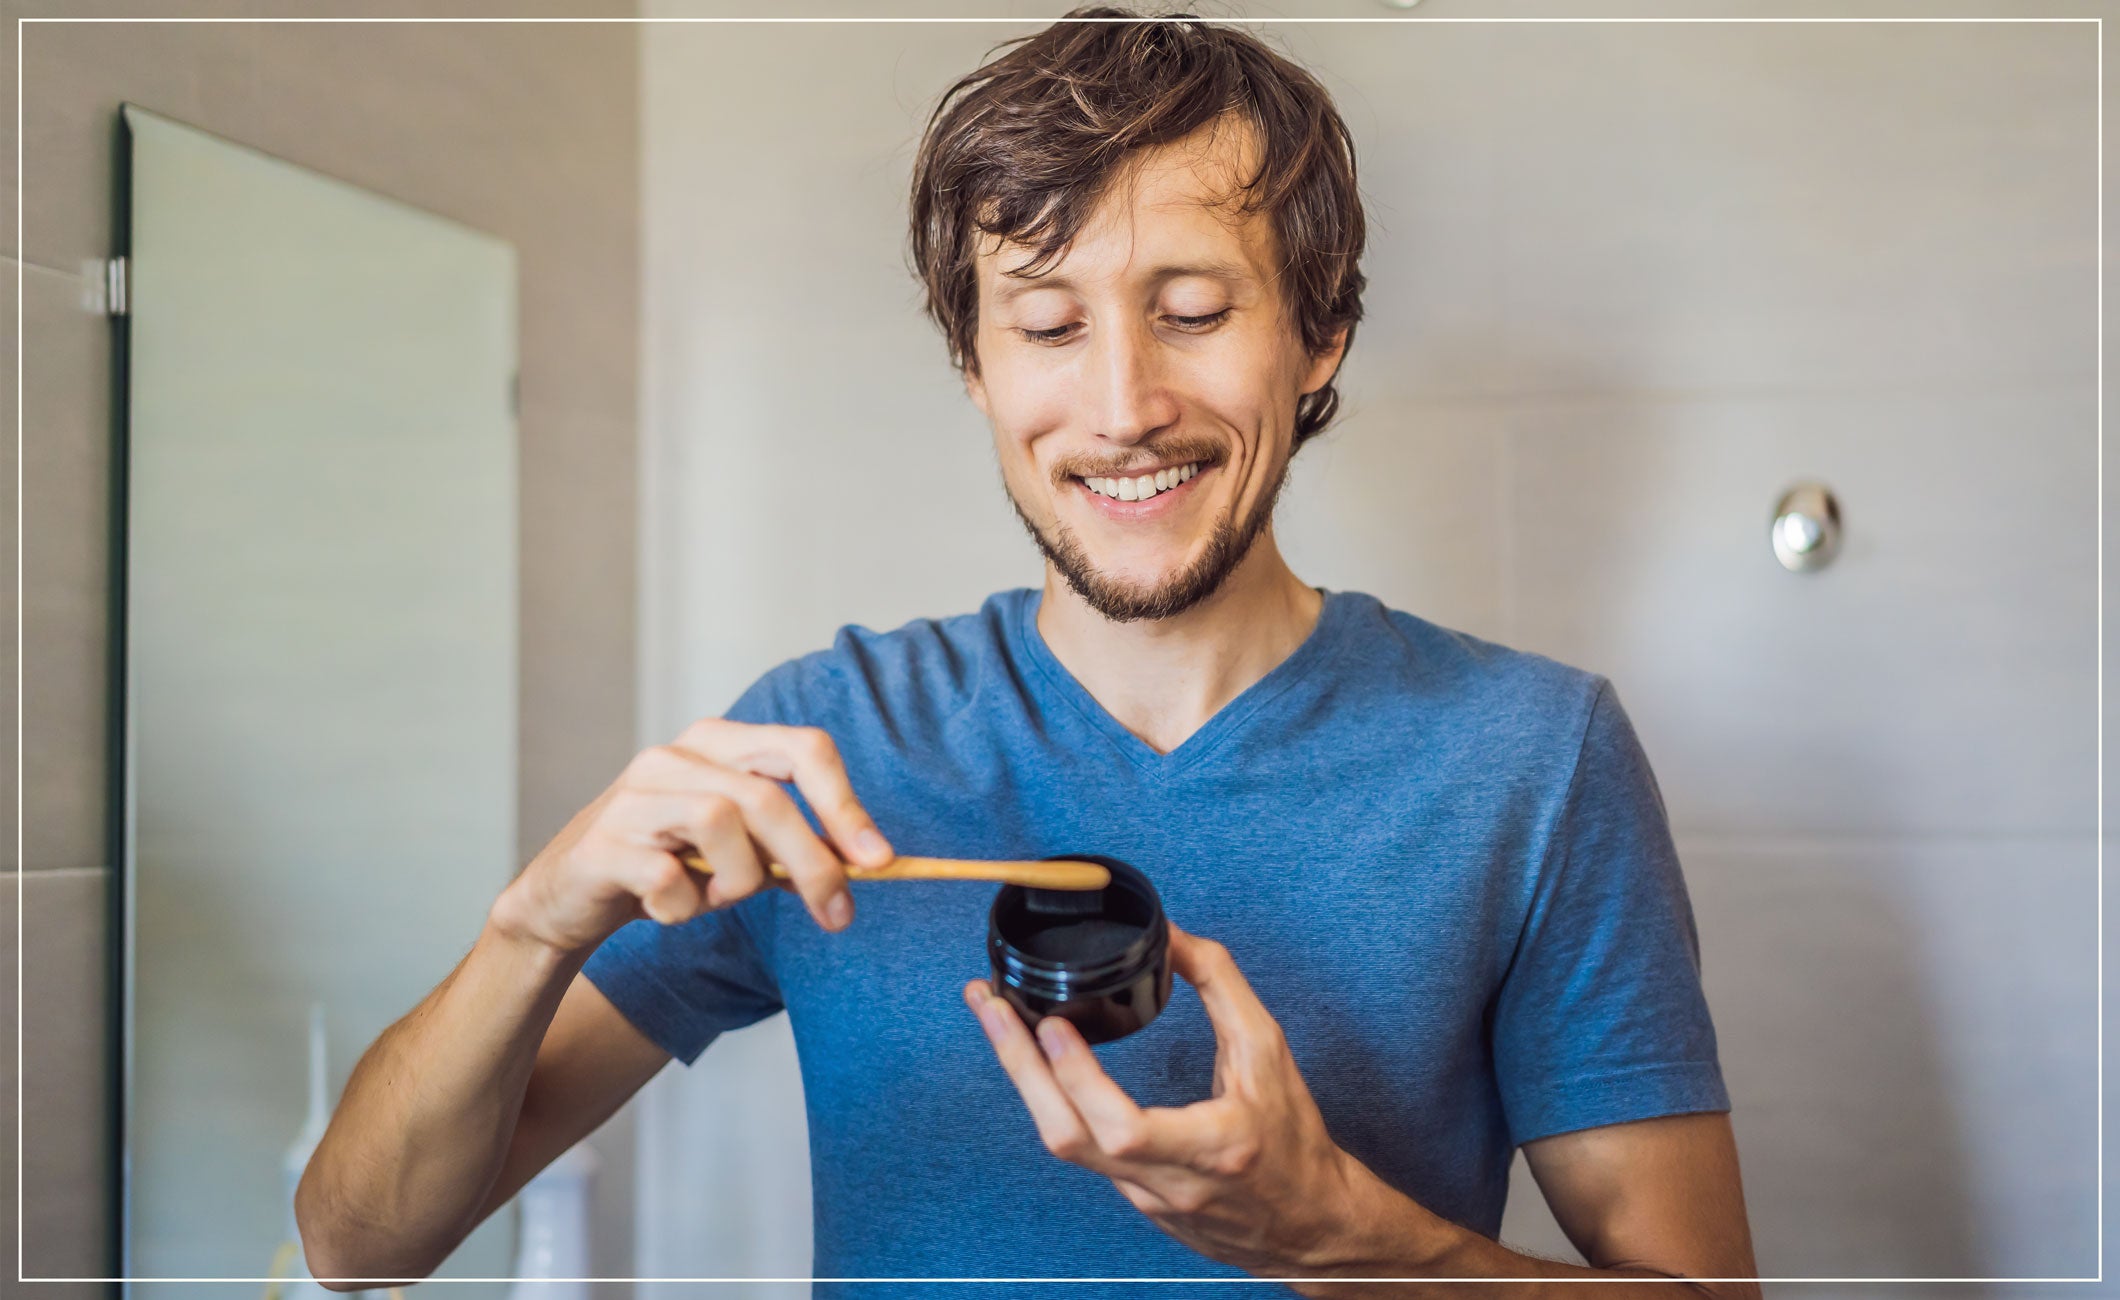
column 1171, row 451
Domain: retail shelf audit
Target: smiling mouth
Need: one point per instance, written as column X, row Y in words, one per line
column 1140, row 487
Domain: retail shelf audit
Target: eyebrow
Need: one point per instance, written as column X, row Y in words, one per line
column 1015, row 286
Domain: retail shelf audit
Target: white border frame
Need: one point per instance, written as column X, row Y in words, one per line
column 22, row 870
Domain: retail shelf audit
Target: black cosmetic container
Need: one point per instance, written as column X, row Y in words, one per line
column 1107, row 970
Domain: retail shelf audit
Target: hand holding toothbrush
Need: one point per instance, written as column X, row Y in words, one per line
column 714, row 792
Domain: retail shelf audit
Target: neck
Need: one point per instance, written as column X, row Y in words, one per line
column 1162, row 679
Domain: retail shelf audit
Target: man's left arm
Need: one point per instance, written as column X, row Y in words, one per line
column 1250, row 1176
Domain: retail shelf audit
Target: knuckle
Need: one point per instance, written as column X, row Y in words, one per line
column 658, row 763
column 1128, row 1140
column 701, row 729
column 718, row 814
column 1069, row 1143
column 596, row 854
column 1239, row 1157
column 815, row 744
column 625, row 802
column 761, row 800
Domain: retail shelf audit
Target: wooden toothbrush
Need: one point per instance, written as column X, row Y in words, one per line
column 1065, row 874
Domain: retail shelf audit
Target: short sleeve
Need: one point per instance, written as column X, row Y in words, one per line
column 1601, row 1018
column 685, row 985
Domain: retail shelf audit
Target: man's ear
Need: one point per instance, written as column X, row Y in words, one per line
column 975, row 390
column 1325, row 364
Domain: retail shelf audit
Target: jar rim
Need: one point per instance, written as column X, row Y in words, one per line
column 1079, row 978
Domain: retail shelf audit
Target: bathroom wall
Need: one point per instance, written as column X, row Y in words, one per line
column 1628, row 281
column 528, row 131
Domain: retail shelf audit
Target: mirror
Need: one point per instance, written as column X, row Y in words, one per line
column 317, row 604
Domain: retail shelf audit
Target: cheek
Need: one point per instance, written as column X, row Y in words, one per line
column 1025, row 401
column 1241, row 398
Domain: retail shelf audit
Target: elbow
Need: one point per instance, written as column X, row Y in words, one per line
column 324, row 1254
column 339, row 1254
column 336, row 1266
column 1724, row 1290
column 332, row 1280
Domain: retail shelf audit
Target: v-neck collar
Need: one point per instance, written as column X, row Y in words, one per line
column 1324, row 637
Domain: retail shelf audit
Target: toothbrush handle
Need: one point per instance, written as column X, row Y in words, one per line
column 1031, row 875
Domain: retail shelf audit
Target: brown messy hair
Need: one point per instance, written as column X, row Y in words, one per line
column 1025, row 146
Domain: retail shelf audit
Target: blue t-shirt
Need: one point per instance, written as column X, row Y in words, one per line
column 1443, row 865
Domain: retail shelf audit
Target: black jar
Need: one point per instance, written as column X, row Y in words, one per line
column 1107, row 971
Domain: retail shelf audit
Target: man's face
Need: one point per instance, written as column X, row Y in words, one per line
column 1142, row 389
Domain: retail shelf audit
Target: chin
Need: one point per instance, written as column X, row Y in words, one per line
column 1143, row 579
column 1133, row 589
column 1153, row 578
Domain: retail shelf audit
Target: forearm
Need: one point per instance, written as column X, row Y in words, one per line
column 403, row 1171
column 1386, row 1234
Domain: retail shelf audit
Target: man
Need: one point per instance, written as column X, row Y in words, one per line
column 1446, row 916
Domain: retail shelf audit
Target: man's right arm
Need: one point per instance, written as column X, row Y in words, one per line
column 514, row 1057
column 460, row 1103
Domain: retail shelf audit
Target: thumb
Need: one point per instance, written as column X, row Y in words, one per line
column 1242, row 1023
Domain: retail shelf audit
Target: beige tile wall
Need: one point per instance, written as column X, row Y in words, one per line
column 1626, row 282
column 525, row 130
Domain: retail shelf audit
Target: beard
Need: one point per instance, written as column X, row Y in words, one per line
column 1228, row 542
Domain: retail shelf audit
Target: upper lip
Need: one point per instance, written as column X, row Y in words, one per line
column 1144, row 470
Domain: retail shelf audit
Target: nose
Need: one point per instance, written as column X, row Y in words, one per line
column 1132, row 398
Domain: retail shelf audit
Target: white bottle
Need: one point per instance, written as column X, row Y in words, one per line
column 301, row 1285
column 552, row 1251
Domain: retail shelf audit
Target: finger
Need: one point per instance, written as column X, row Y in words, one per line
column 1059, row 1127
column 724, row 841
column 1141, row 1198
column 1189, row 1136
column 821, row 775
column 809, row 758
column 734, row 754
column 780, row 828
column 669, row 894
column 711, row 825
column 1244, row 1029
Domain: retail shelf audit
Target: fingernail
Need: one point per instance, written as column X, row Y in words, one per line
column 840, row 910
column 1051, row 1038
column 990, row 1013
column 869, row 844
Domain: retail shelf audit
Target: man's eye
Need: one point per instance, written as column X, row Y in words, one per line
column 1054, row 335
column 1198, row 322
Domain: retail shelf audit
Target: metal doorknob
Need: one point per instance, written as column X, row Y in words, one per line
column 1806, row 528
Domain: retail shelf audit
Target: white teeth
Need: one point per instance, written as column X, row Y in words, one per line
column 1141, row 487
